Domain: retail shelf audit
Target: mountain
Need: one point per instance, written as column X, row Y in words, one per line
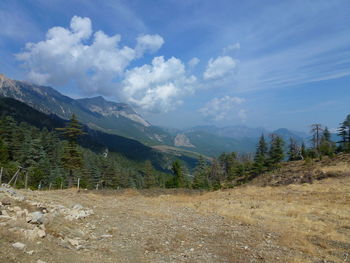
column 94, row 140
column 120, row 119
column 287, row 134
column 212, row 140
column 235, row 131
column 213, row 145
column 97, row 113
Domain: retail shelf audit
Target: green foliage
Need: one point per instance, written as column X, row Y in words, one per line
column 327, row 147
column 72, row 158
column 3, row 152
column 344, row 134
column 200, row 179
column 179, row 178
column 276, row 153
column 260, row 158
column 149, row 175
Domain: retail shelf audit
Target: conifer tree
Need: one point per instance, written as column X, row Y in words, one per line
column 276, row 153
column 149, row 178
column 260, row 157
column 3, row 152
column 200, row 179
column 179, row 178
column 72, row 158
column 344, row 131
column 327, row 147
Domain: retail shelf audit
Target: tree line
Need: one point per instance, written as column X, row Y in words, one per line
column 53, row 158
column 230, row 169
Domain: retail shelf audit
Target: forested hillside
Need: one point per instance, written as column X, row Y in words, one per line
column 29, row 139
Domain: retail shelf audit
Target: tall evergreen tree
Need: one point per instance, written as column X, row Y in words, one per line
column 201, row 173
column 72, row 158
column 179, row 178
column 3, row 152
column 327, row 147
column 260, row 157
column 276, row 153
column 149, row 177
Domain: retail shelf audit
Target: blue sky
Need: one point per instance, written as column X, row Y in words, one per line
column 182, row 63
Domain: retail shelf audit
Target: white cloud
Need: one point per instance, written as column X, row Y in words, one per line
column 231, row 48
column 193, row 62
column 66, row 55
column 223, row 108
column 150, row 43
column 159, row 86
column 219, row 67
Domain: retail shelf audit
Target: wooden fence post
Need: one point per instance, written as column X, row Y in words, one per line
column 15, row 176
column 78, row 184
column 1, row 174
column 26, row 181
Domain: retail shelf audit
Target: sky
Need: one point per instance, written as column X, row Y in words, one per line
column 182, row 63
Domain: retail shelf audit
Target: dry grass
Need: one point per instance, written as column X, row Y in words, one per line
column 311, row 218
column 342, row 167
column 293, row 223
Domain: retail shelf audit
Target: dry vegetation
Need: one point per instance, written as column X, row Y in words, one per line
column 289, row 223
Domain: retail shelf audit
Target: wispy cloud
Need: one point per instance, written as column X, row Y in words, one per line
column 223, row 108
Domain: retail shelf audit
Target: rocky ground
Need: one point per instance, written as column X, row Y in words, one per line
column 305, row 223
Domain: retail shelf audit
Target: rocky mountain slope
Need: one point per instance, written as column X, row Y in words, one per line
column 97, row 113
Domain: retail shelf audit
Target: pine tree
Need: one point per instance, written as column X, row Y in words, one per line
column 327, row 147
column 200, row 179
column 260, row 157
column 149, row 178
column 3, row 152
column 346, row 123
column 72, row 158
column 276, row 153
column 179, row 178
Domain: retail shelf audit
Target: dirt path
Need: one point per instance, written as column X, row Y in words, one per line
column 130, row 227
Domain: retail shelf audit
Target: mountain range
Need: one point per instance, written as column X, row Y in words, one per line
column 122, row 120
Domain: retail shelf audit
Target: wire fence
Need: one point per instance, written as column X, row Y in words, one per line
column 21, row 178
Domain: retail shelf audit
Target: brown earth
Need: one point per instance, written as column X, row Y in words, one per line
column 288, row 223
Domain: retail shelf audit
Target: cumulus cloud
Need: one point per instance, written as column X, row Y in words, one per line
column 193, row 62
column 148, row 43
column 223, row 108
column 159, row 86
column 219, row 67
column 92, row 60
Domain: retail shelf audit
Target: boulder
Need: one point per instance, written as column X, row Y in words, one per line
column 37, row 218
column 19, row 245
